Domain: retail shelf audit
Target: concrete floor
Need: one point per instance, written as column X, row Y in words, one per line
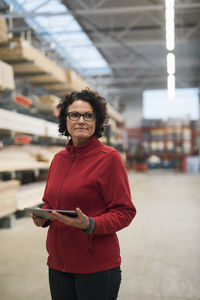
column 160, row 250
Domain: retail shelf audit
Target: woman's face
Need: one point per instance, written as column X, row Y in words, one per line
column 80, row 130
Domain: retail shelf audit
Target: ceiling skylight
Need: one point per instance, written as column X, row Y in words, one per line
column 70, row 40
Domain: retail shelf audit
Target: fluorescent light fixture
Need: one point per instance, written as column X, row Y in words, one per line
column 171, row 87
column 169, row 24
column 170, row 45
column 171, row 63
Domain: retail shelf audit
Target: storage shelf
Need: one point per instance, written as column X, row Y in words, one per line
column 171, row 143
column 13, row 121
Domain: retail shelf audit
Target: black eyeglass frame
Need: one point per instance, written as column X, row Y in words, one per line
column 81, row 115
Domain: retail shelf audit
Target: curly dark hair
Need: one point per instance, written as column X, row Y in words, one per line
column 97, row 102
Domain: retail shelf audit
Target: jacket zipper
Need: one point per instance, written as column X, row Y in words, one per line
column 57, row 230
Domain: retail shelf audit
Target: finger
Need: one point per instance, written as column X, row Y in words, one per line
column 79, row 212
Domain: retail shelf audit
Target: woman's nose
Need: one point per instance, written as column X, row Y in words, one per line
column 81, row 120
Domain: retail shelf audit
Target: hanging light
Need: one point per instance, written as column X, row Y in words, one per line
column 169, row 24
column 171, row 87
column 170, row 63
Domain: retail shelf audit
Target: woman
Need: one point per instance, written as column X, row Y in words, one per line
column 89, row 177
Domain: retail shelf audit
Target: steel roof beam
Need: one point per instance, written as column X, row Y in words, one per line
column 104, row 45
column 107, row 81
column 192, row 31
column 128, row 27
column 124, row 90
column 104, row 11
column 99, row 4
column 82, row 3
column 40, row 5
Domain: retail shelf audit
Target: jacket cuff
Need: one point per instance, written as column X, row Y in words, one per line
column 91, row 226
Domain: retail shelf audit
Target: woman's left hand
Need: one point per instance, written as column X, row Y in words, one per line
column 81, row 221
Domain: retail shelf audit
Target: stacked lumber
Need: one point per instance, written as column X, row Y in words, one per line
column 47, row 103
column 6, row 76
column 42, row 153
column 26, row 157
column 18, row 159
column 19, row 123
column 3, row 31
column 58, row 89
column 75, row 81
column 115, row 115
column 8, row 197
column 30, row 195
column 39, row 69
column 29, row 60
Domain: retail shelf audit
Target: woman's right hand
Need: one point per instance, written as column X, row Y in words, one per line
column 38, row 221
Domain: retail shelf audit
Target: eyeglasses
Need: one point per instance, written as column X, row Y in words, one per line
column 75, row 116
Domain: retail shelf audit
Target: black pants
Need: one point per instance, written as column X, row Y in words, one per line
column 96, row 286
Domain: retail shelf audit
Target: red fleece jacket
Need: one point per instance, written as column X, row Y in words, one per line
column 92, row 177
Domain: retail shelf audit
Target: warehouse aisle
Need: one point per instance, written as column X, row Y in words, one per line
column 160, row 250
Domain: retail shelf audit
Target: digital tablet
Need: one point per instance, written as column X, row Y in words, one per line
column 42, row 213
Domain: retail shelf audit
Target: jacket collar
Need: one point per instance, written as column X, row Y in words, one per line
column 91, row 143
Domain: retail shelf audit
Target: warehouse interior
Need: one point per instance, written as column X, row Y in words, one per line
column 143, row 58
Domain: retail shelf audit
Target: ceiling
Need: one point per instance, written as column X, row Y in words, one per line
column 130, row 35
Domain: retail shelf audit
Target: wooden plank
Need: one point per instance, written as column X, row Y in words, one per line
column 6, row 76
column 3, row 31
column 19, row 123
column 29, row 157
column 18, row 159
column 114, row 114
column 43, row 79
column 20, row 49
column 26, row 68
column 76, row 82
column 30, row 195
column 8, row 197
column 47, row 103
column 57, row 86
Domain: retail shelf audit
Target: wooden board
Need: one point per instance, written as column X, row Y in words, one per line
column 6, row 77
column 76, row 82
column 13, row 159
column 43, row 79
column 8, row 197
column 56, row 87
column 27, row 68
column 28, row 157
column 47, row 103
column 30, row 195
column 19, row 123
column 3, row 31
column 20, row 50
